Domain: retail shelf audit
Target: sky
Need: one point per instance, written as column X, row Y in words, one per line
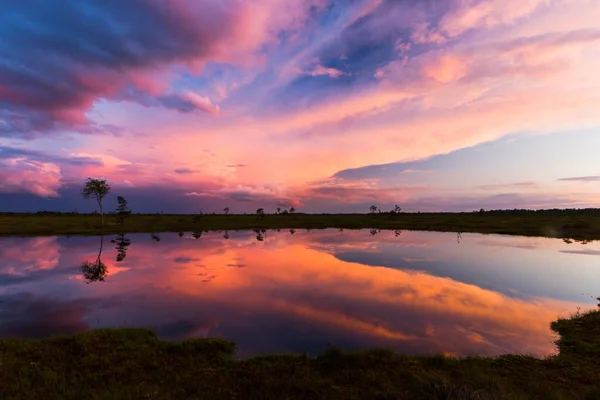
column 323, row 105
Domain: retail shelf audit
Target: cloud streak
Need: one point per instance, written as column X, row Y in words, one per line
column 594, row 178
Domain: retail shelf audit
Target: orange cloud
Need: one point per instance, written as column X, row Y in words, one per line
column 446, row 69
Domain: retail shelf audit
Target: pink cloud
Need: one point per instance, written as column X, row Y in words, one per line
column 202, row 103
column 473, row 14
column 19, row 175
column 357, row 191
column 446, row 68
column 423, row 32
column 331, row 72
column 186, row 33
column 258, row 193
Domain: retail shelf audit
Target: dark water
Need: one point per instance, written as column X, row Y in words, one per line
column 416, row 292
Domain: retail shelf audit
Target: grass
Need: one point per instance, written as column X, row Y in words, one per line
column 575, row 224
column 134, row 364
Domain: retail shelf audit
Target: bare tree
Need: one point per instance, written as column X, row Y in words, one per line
column 96, row 189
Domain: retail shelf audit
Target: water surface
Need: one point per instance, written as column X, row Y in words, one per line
column 416, row 292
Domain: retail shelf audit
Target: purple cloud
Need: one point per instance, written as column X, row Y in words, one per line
column 184, row 171
column 110, row 49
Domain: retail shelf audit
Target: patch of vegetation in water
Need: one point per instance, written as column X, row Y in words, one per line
column 134, row 364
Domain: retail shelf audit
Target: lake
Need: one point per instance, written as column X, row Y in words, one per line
column 302, row 291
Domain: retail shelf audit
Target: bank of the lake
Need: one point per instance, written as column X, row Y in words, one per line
column 134, row 364
column 577, row 224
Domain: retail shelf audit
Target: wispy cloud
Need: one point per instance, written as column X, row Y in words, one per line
column 184, row 171
column 515, row 185
column 584, row 252
column 593, row 178
column 322, row 70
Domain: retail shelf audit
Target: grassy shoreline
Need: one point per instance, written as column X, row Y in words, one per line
column 575, row 224
column 134, row 364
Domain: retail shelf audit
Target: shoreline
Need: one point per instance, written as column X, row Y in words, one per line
column 569, row 224
column 134, row 363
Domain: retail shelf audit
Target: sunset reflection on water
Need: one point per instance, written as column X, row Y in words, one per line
column 416, row 292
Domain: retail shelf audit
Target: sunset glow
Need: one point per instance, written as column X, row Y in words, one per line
column 324, row 105
column 420, row 292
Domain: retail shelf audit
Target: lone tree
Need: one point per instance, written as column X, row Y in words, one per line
column 278, row 210
column 260, row 212
column 226, row 210
column 96, row 189
column 292, row 210
column 122, row 209
column 373, row 209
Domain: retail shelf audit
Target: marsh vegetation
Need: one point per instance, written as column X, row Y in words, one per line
column 578, row 224
column 134, row 363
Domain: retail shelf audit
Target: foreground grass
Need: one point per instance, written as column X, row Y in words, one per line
column 576, row 224
column 134, row 364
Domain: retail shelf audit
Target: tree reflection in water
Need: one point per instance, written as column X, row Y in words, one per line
column 122, row 245
column 95, row 271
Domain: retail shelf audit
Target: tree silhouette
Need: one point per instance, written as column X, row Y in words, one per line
column 226, row 210
column 397, row 209
column 261, row 213
column 95, row 271
column 292, row 231
column 96, row 189
column 373, row 209
column 122, row 209
column 278, row 210
column 292, row 210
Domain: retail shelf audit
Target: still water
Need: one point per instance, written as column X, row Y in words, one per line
column 416, row 292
